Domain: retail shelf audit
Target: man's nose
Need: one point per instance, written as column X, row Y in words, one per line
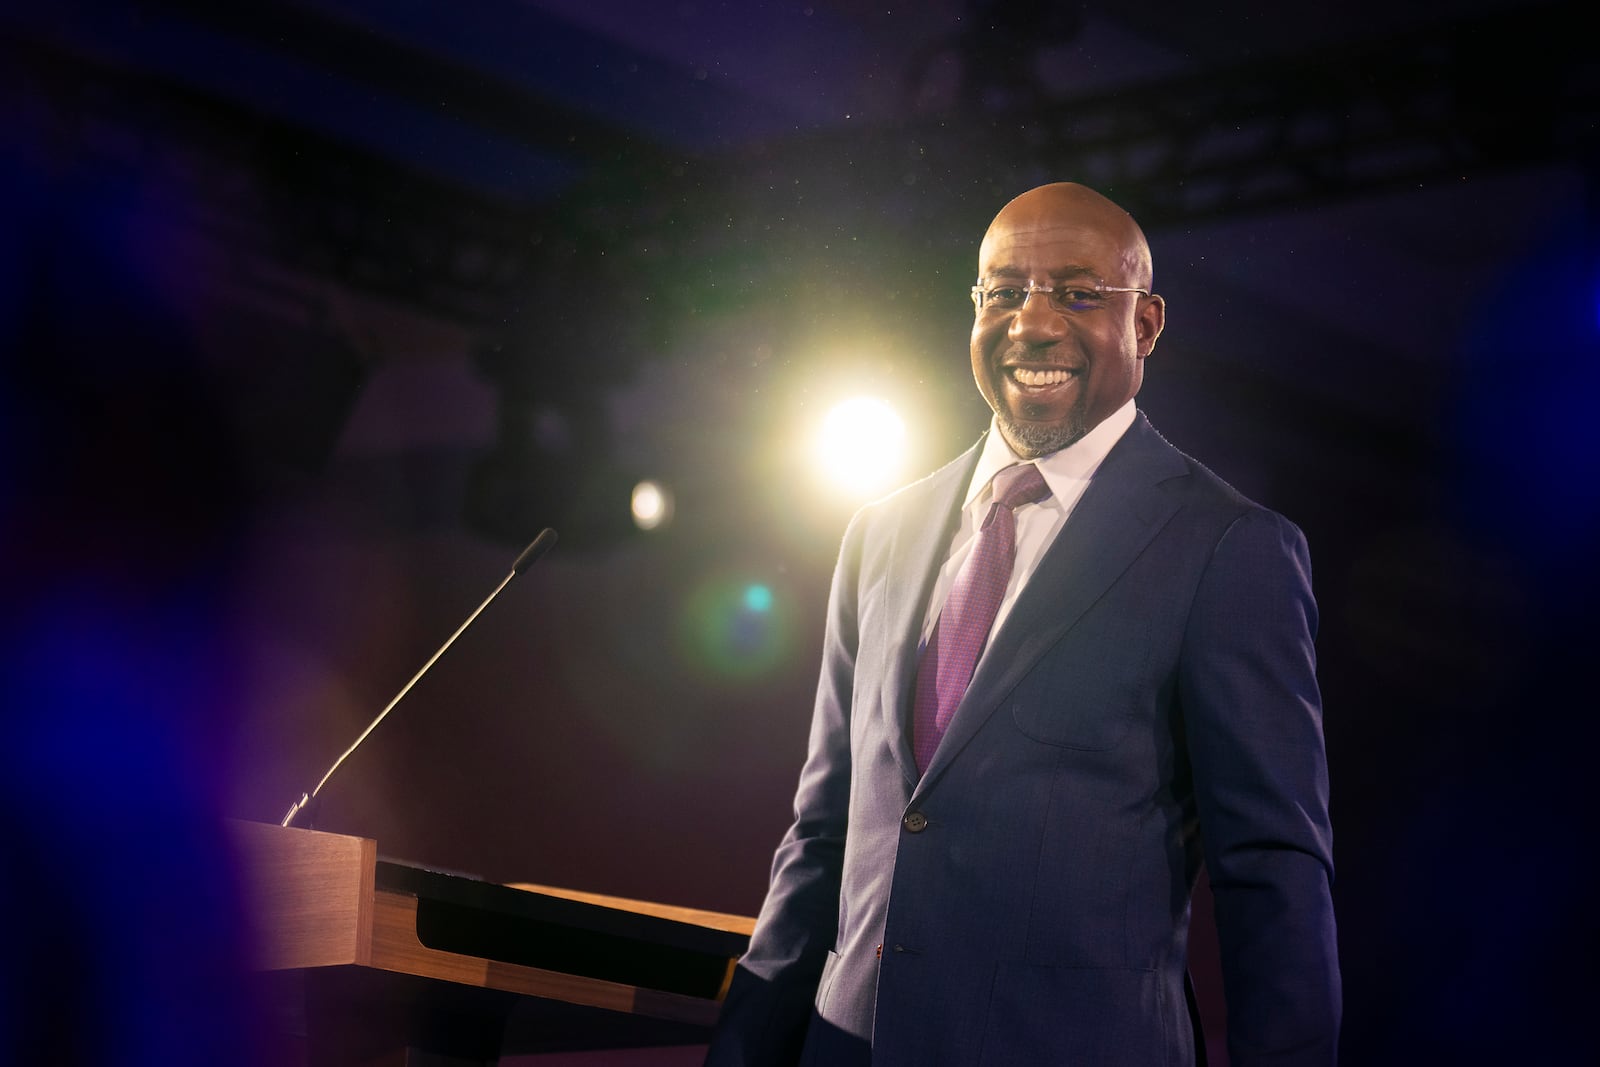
column 1037, row 321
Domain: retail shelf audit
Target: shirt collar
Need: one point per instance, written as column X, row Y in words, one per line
column 1065, row 471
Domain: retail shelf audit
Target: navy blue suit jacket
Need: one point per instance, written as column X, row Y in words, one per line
column 1150, row 703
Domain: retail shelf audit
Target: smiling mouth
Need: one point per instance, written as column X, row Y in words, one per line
column 1032, row 378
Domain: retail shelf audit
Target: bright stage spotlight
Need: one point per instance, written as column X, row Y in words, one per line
column 652, row 505
column 861, row 447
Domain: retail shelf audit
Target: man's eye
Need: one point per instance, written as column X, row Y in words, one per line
column 1007, row 295
column 1081, row 297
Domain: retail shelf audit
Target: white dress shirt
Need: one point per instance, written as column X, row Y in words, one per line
column 1067, row 472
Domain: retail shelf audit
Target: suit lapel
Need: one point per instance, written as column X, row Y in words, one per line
column 929, row 515
column 1117, row 517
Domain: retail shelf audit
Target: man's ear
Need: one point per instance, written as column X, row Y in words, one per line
column 1148, row 321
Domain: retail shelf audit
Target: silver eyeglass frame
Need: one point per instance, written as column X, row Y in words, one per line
column 980, row 293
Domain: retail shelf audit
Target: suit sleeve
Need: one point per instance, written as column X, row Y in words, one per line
column 768, row 1007
column 1253, row 719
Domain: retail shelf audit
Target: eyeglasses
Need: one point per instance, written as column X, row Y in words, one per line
column 1078, row 297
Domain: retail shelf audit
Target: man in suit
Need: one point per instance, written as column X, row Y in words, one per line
column 999, row 871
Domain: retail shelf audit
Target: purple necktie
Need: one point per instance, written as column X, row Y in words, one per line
column 963, row 626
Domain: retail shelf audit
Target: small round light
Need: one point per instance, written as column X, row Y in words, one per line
column 652, row 505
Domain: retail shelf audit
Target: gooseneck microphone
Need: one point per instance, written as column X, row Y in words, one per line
column 539, row 546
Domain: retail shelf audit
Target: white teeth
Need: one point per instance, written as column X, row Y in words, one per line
column 1024, row 376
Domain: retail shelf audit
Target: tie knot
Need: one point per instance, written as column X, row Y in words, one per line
column 1018, row 485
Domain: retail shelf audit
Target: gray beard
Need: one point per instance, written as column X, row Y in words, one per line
column 1031, row 440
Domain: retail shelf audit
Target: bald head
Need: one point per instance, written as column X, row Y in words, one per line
column 1050, row 209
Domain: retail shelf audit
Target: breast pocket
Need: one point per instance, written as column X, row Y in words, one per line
column 1088, row 691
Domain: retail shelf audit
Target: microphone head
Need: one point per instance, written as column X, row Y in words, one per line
column 541, row 544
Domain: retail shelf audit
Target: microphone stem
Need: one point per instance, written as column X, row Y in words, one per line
column 399, row 696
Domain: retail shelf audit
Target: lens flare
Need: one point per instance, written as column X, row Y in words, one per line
column 734, row 630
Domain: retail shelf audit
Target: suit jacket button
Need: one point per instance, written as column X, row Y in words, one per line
column 915, row 823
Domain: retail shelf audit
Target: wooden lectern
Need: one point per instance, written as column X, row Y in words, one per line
column 380, row 963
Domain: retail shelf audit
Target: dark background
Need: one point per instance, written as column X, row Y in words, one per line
column 314, row 313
